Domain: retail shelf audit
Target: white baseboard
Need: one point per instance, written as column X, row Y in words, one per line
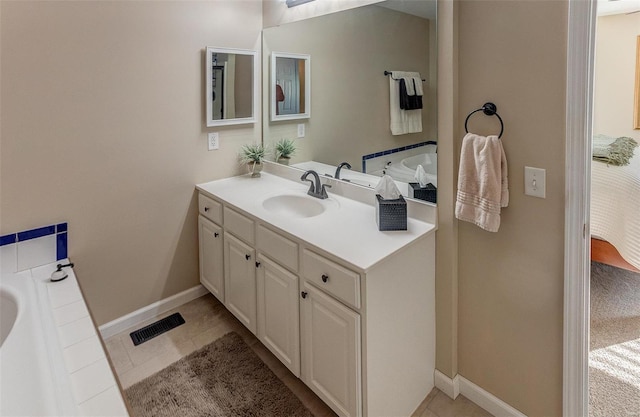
column 488, row 401
column 145, row 313
column 449, row 386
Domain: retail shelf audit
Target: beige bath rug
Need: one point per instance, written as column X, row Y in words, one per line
column 224, row 378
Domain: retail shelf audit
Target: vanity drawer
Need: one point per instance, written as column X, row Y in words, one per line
column 279, row 248
column 210, row 208
column 241, row 226
column 335, row 279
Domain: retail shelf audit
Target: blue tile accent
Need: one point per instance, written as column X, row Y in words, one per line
column 8, row 239
column 61, row 246
column 61, row 227
column 392, row 151
column 35, row 233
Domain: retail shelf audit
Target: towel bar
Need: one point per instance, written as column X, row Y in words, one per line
column 489, row 109
column 389, row 73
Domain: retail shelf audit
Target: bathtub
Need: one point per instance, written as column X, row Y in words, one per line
column 405, row 169
column 51, row 360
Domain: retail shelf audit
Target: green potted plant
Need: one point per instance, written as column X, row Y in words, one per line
column 252, row 154
column 285, row 148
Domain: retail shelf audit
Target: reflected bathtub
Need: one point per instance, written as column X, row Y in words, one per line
column 405, row 169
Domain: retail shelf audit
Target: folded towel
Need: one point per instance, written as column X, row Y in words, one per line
column 482, row 181
column 402, row 121
column 408, row 81
column 409, row 101
column 613, row 151
column 417, row 82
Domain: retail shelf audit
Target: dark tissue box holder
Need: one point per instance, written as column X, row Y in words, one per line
column 427, row 193
column 391, row 214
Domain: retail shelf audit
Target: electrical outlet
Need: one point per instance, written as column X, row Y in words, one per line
column 535, row 182
column 301, row 130
column 214, row 142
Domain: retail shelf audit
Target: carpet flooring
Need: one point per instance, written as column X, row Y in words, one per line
column 224, row 378
column 614, row 358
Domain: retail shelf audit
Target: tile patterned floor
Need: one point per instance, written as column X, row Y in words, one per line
column 206, row 319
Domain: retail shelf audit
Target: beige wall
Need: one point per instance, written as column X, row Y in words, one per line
column 349, row 52
column 103, row 127
column 615, row 74
column 511, row 282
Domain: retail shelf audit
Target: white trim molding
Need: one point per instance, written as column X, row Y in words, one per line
column 489, row 402
column 579, row 102
column 449, row 386
column 145, row 313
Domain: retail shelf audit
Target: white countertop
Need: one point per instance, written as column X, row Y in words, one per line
column 347, row 230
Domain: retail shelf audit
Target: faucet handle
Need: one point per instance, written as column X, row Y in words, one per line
column 323, row 191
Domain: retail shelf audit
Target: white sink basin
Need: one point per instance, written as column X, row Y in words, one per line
column 297, row 205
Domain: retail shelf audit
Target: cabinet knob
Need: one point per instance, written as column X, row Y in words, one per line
column 247, row 257
column 325, row 277
column 257, row 264
column 206, row 209
column 303, row 294
column 216, row 234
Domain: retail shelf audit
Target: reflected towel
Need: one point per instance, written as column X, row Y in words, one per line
column 482, row 181
column 402, row 121
column 409, row 100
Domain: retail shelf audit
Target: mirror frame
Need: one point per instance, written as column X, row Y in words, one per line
column 255, row 71
column 307, row 87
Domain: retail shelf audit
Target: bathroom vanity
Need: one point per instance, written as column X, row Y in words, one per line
column 348, row 309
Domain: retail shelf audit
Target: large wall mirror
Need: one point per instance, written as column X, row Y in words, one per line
column 231, row 86
column 290, row 86
column 350, row 93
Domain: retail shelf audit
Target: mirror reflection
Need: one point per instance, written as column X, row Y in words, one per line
column 351, row 120
column 230, row 86
column 290, row 86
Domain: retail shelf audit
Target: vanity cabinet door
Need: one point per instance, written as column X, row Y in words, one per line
column 211, row 257
column 278, row 312
column 330, row 336
column 240, row 281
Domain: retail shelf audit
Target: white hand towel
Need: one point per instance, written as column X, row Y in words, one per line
column 408, row 82
column 402, row 121
column 482, row 181
column 417, row 82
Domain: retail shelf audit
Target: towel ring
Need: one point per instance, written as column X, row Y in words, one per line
column 489, row 109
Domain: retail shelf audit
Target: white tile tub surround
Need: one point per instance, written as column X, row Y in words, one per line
column 31, row 248
column 81, row 379
column 34, row 252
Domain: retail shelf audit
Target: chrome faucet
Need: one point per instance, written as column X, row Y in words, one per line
column 344, row 164
column 316, row 190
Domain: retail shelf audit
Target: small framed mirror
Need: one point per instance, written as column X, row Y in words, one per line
column 231, row 86
column 290, row 86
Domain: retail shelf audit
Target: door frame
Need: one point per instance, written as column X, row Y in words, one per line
column 579, row 125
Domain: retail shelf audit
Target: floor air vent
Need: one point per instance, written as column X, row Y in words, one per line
column 156, row 329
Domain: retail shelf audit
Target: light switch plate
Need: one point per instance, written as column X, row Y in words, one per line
column 301, row 130
column 213, row 139
column 535, row 182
